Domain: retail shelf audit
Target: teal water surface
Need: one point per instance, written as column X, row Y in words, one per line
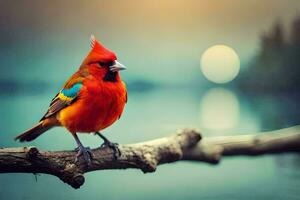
column 158, row 113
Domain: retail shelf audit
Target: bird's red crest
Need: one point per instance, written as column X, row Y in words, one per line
column 100, row 49
column 98, row 53
column 95, row 44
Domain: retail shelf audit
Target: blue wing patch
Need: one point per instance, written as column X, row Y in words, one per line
column 64, row 98
column 73, row 91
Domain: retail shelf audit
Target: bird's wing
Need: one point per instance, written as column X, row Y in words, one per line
column 64, row 98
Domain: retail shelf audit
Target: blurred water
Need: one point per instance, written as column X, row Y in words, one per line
column 157, row 113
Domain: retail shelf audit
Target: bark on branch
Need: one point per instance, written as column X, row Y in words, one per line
column 184, row 145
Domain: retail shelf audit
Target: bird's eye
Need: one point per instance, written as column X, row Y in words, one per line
column 102, row 64
column 106, row 64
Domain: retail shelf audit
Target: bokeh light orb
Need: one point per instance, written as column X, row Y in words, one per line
column 220, row 64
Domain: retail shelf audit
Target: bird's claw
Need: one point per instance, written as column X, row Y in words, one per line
column 114, row 147
column 86, row 154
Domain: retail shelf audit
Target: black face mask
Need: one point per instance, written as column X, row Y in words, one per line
column 110, row 76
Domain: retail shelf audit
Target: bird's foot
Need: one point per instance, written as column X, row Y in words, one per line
column 113, row 146
column 85, row 153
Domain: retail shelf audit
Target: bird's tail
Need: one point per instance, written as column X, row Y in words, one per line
column 33, row 132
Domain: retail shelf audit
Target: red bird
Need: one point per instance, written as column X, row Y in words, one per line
column 91, row 100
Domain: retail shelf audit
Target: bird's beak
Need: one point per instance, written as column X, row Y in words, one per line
column 117, row 67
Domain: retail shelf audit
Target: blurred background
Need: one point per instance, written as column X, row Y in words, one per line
column 226, row 67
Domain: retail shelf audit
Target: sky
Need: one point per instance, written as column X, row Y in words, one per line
column 160, row 41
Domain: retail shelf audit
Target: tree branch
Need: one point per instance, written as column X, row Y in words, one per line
column 184, row 145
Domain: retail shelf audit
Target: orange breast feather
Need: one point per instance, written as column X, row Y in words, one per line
column 98, row 106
